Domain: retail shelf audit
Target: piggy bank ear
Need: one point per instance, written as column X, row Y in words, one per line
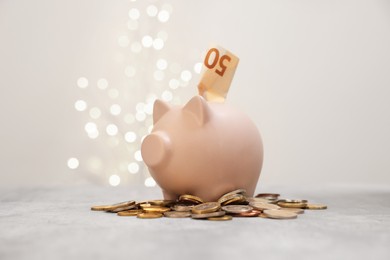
column 159, row 109
column 198, row 107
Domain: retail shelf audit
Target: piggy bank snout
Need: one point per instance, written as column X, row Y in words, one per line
column 155, row 149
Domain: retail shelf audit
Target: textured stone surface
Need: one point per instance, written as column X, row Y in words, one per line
column 56, row 223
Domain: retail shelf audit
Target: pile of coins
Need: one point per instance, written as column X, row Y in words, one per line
column 231, row 205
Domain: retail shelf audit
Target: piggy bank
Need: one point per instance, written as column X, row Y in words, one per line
column 204, row 149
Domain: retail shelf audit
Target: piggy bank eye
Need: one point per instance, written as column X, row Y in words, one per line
column 160, row 108
column 199, row 108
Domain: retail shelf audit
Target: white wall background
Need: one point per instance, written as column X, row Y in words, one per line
column 313, row 75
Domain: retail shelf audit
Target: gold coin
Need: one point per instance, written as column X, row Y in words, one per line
column 161, row 203
column 234, row 198
column 182, row 207
column 149, row 215
column 263, row 206
column 177, row 214
column 295, row 210
column 121, row 205
column 190, row 199
column 262, row 215
column 145, row 205
column 208, row 215
column 238, row 191
column 279, row 214
column 292, row 203
column 223, row 218
column 156, row 209
column 235, row 209
column 128, row 213
column 258, row 200
column 315, row 206
column 207, row 207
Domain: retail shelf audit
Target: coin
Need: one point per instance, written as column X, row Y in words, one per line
column 156, row 209
column 262, row 215
column 208, row 215
column 292, row 203
column 263, row 206
column 234, row 198
column 315, row 206
column 238, row 191
column 177, row 214
column 182, row 207
column 252, row 213
column 295, row 210
column 258, row 200
column 115, row 206
column 149, row 215
column 162, row 203
column 223, row 218
column 144, row 205
column 207, row 207
column 279, row 214
column 268, row 196
column 235, row 209
column 190, row 198
column 128, row 213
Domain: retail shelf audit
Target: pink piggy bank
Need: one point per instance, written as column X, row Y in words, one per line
column 204, row 149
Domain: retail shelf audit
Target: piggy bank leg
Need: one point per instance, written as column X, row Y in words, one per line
column 169, row 196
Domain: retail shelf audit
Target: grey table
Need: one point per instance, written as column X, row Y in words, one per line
column 56, row 223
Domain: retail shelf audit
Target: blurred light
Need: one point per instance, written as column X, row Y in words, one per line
column 133, row 167
column 90, row 127
column 82, row 82
column 161, row 64
column 150, row 129
column 102, row 83
column 115, row 109
column 134, row 13
column 130, row 137
column 123, row 41
column 149, row 108
column 158, row 75
column 94, row 134
column 132, row 25
column 80, row 105
column 95, row 113
column 163, row 16
column 150, row 182
column 151, row 98
column 186, row 75
column 130, row 71
column 114, row 180
column 167, row 96
column 138, row 156
column 198, row 67
column 136, row 47
column 113, row 93
column 147, row 41
column 140, row 116
column 129, row 118
column 111, row 129
column 158, row 44
column 152, row 10
column 163, row 35
column 73, row 163
column 174, row 83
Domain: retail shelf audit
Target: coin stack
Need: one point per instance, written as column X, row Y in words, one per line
column 231, row 205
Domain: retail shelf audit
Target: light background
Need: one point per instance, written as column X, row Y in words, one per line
column 313, row 75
